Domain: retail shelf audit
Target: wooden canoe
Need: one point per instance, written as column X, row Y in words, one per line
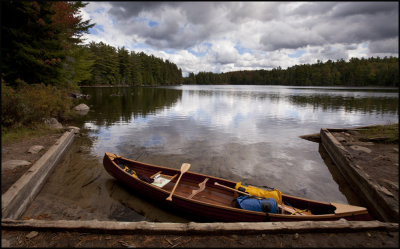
column 203, row 198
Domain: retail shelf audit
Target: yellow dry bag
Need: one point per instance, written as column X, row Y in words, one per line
column 276, row 194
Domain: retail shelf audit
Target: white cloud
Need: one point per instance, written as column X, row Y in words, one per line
column 226, row 36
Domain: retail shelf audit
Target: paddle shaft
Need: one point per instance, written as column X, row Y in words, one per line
column 185, row 167
column 233, row 189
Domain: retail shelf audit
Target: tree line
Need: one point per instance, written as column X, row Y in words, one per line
column 356, row 72
column 110, row 66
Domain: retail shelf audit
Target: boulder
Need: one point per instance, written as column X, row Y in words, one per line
column 82, row 109
column 35, row 149
column 53, row 123
column 12, row 164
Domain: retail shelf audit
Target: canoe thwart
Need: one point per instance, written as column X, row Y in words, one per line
column 202, row 186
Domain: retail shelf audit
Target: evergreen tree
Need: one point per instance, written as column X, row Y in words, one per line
column 37, row 37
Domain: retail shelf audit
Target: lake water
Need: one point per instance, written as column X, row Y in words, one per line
column 243, row 133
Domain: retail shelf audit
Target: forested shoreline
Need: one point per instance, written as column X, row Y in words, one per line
column 44, row 59
column 118, row 66
column 41, row 43
column 380, row 72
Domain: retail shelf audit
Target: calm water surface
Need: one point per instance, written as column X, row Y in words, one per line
column 244, row 133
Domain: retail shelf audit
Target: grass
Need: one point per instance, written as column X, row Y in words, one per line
column 381, row 133
column 12, row 135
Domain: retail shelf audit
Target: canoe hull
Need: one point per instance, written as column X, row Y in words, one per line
column 206, row 212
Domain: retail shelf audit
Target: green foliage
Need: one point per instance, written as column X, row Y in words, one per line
column 119, row 67
column 30, row 103
column 78, row 65
column 36, row 39
column 11, row 111
column 381, row 133
column 357, row 72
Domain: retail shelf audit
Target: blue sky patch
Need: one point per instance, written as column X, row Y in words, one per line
column 297, row 54
column 153, row 23
column 170, row 51
column 95, row 30
column 243, row 50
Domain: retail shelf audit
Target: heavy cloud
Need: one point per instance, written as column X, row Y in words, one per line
column 242, row 35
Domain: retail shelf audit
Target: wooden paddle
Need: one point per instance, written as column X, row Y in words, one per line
column 184, row 168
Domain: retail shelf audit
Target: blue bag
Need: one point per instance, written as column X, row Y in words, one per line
column 267, row 205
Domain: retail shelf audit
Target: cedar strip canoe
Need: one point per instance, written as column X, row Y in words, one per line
column 199, row 196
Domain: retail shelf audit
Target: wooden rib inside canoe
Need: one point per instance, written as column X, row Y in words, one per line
column 203, row 197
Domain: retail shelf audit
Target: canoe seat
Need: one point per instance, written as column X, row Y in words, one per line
column 160, row 180
column 202, row 186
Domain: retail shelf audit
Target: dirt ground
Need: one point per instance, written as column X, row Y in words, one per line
column 19, row 151
column 376, row 158
column 381, row 162
column 367, row 238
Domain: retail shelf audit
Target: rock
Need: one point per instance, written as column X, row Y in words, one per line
column 396, row 149
column 341, row 139
column 82, row 109
column 53, row 123
column 360, row 148
column 35, row 149
column 12, row 164
column 32, row 234
column 363, row 143
column 80, row 96
column 296, row 236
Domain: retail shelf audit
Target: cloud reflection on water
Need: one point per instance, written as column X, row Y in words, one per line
column 248, row 133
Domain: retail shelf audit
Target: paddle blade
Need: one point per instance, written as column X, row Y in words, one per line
column 185, row 167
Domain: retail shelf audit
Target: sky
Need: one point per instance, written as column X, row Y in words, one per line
column 231, row 36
